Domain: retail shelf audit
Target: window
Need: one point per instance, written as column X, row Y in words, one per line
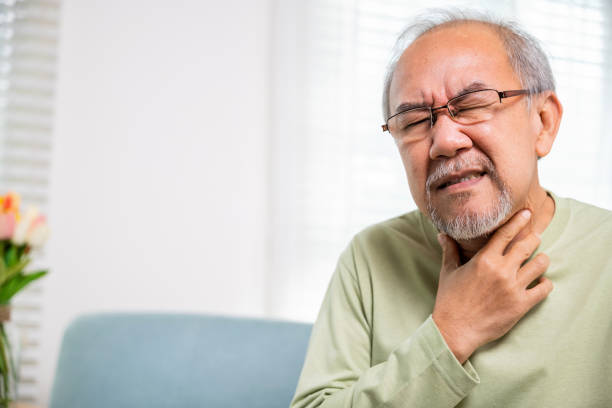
column 334, row 172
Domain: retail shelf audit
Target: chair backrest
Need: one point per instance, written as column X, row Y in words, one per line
column 165, row 360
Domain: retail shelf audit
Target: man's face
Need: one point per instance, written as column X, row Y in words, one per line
column 468, row 178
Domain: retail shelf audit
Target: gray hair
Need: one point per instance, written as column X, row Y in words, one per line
column 526, row 56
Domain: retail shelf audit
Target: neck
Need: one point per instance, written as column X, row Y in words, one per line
column 542, row 208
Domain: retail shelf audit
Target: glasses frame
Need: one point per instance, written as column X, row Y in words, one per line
column 501, row 94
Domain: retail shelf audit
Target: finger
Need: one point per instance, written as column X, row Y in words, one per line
column 450, row 252
column 533, row 269
column 522, row 249
column 506, row 233
column 539, row 292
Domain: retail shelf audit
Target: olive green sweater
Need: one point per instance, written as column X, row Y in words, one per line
column 374, row 343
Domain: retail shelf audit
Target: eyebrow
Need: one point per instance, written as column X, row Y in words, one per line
column 473, row 86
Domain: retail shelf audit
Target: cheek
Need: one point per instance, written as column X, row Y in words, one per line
column 518, row 172
column 416, row 160
column 511, row 151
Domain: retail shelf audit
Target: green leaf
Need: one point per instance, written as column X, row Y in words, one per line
column 14, row 270
column 17, row 283
column 3, row 270
column 10, row 256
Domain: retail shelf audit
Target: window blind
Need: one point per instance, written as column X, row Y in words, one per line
column 334, row 172
column 28, row 45
column 577, row 36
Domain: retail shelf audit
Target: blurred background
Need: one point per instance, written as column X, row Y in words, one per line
column 216, row 157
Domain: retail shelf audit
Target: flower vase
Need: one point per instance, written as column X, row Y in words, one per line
column 8, row 366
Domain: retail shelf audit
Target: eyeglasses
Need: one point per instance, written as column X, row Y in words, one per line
column 468, row 108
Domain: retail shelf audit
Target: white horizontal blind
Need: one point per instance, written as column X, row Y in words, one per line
column 28, row 44
column 577, row 35
column 334, row 172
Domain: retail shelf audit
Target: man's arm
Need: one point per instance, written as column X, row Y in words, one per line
column 422, row 371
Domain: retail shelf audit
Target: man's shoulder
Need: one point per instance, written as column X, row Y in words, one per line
column 409, row 230
column 591, row 208
column 583, row 224
column 409, row 223
column 586, row 216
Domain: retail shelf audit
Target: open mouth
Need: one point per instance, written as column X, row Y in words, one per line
column 473, row 176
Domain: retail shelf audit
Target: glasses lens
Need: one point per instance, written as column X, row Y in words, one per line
column 473, row 107
column 410, row 123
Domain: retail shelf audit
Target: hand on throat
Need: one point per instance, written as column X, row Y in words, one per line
column 542, row 208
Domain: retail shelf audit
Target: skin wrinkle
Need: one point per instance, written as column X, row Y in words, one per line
column 527, row 59
column 512, row 139
column 474, row 86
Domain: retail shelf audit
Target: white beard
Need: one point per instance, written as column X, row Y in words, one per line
column 469, row 225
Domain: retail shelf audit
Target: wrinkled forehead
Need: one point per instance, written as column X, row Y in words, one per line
column 447, row 59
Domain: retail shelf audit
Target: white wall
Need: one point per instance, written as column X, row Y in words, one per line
column 159, row 191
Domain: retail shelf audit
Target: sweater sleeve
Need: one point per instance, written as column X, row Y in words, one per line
column 337, row 372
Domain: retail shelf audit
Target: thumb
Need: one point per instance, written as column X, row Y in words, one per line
column 450, row 252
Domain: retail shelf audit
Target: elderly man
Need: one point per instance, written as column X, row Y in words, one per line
column 453, row 304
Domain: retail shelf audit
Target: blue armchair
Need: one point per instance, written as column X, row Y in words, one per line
column 166, row 360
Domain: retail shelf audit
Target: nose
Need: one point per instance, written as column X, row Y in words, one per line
column 447, row 139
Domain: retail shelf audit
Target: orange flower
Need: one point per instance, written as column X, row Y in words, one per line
column 9, row 204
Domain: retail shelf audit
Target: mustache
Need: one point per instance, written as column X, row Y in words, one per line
column 444, row 168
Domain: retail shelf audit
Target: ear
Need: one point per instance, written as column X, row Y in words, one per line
column 549, row 111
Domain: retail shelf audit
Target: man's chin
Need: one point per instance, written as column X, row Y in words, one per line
column 462, row 222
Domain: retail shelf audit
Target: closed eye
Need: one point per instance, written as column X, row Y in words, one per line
column 413, row 124
column 468, row 108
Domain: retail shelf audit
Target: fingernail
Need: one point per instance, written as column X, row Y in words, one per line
column 441, row 238
column 526, row 214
